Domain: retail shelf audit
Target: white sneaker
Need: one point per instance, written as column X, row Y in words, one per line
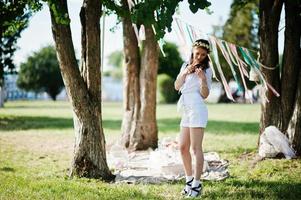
column 195, row 191
column 187, row 187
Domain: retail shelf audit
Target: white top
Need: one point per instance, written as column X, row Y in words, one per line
column 190, row 89
column 192, row 82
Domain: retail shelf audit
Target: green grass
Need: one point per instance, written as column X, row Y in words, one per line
column 36, row 145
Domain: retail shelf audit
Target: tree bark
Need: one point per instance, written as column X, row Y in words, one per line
column 291, row 73
column 294, row 127
column 139, row 126
column 131, row 86
column 291, row 61
column 283, row 112
column 148, row 82
column 83, row 89
column 269, row 14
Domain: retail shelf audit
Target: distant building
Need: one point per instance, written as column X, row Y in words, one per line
column 111, row 90
column 13, row 92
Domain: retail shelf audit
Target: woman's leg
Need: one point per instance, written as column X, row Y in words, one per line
column 184, row 141
column 196, row 139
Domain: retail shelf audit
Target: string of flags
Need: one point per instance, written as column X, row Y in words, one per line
column 235, row 56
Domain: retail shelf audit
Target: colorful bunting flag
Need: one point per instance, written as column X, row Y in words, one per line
column 220, row 71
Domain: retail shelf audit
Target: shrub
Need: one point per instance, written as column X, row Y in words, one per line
column 167, row 92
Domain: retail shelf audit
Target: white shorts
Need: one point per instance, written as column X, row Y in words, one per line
column 195, row 115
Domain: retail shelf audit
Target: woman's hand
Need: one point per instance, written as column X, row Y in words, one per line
column 191, row 68
column 201, row 74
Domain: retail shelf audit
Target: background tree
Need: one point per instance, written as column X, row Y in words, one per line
column 166, row 89
column 14, row 17
column 169, row 67
column 171, row 63
column 41, row 72
column 83, row 86
column 283, row 112
column 115, row 59
column 241, row 28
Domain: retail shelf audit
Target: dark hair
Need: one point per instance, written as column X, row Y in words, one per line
column 204, row 44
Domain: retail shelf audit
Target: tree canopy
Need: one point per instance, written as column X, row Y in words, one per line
column 41, row 73
column 241, row 28
column 242, row 25
column 171, row 63
column 158, row 13
column 14, row 17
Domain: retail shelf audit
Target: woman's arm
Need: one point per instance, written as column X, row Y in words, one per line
column 180, row 80
column 182, row 75
column 204, row 90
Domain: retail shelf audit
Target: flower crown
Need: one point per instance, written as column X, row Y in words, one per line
column 201, row 44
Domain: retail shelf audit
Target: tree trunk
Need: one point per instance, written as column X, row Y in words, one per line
column 131, row 86
column 283, row 112
column 269, row 13
column 83, row 89
column 291, row 61
column 148, row 82
column 139, row 126
column 291, row 73
column 294, row 128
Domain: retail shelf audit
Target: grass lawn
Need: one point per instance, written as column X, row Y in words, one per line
column 36, row 146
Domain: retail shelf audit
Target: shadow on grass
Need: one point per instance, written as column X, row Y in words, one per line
column 216, row 127
column 7, row 169
column 37, row 106
column 57, row 188
column 254, row 189
column 10, row 123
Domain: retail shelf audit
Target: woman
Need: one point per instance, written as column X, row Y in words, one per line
column 194, row 82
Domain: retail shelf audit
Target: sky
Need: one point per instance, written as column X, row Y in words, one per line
column 38, row 34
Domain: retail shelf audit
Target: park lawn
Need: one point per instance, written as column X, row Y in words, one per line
column 36, row 145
